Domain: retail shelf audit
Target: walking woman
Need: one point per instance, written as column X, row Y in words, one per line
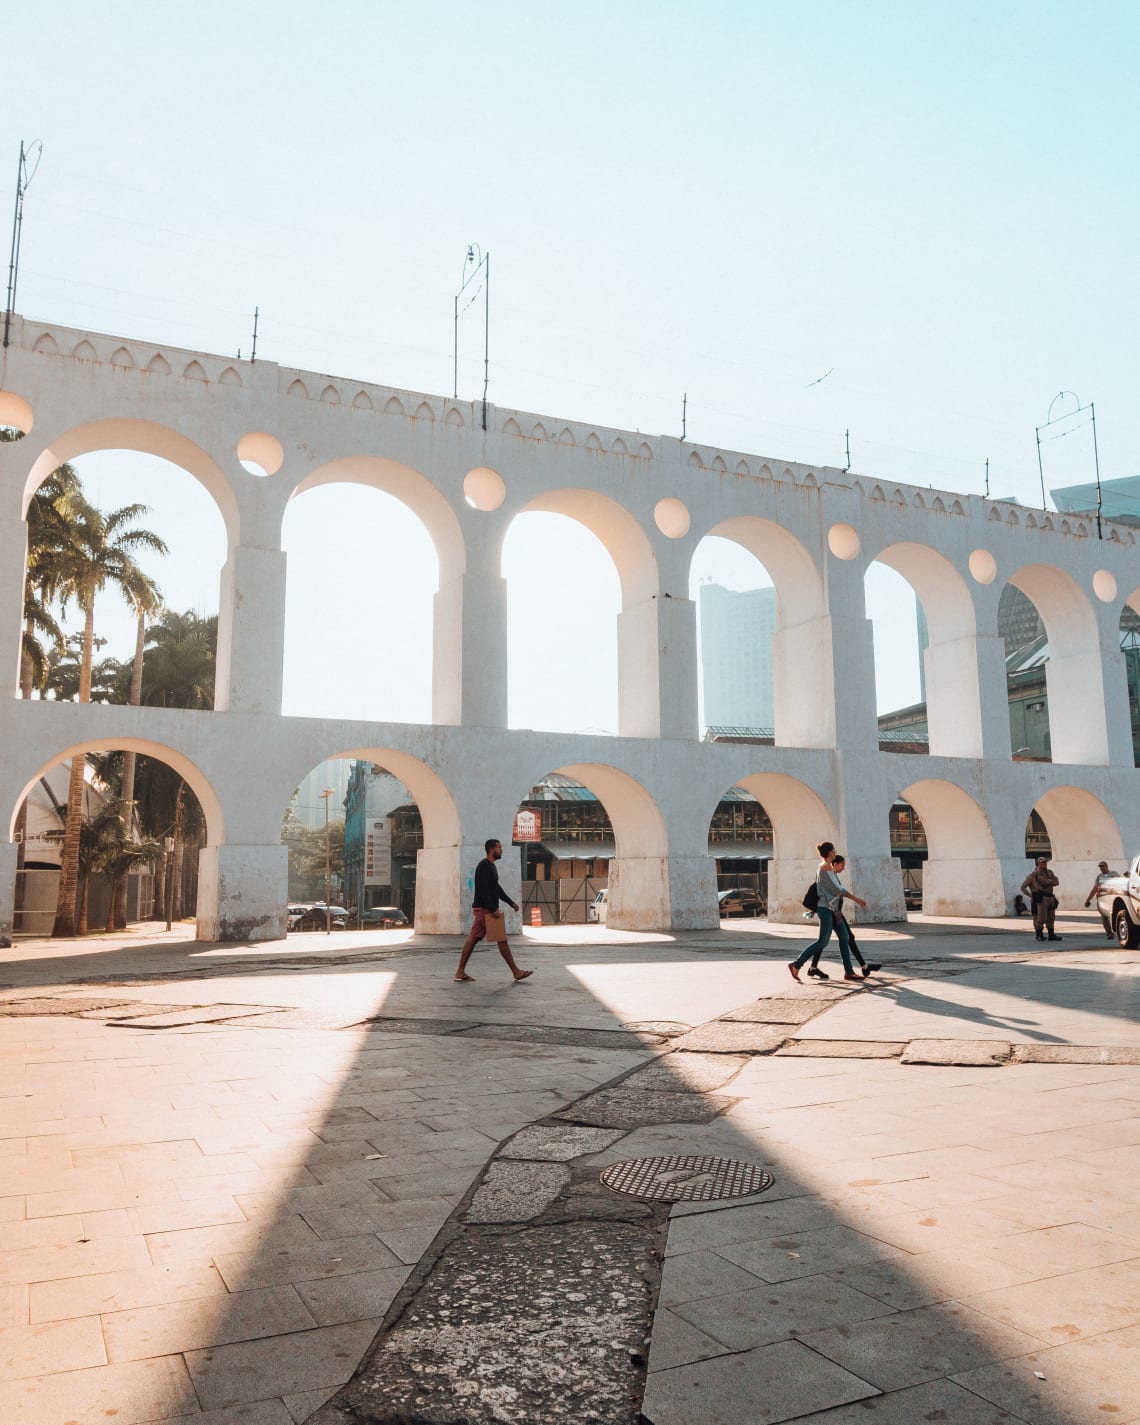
column 831, row 897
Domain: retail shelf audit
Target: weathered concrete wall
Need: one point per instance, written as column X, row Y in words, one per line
column 650, row 501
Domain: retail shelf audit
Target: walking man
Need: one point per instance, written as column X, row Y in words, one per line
column 487, row 919
column 1041, row 885
column 1103, row 874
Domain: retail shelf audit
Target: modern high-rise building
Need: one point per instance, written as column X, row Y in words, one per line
column 736, row 655
column 308, row 805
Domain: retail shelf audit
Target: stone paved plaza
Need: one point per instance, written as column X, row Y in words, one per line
column 220, row 1164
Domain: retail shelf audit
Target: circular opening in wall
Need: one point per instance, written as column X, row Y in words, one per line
column 260, row 453
column 983, row 566
column 1104, row 586
column 15, row 413
column 484, row 488
column 672, row 518
column 843, row 541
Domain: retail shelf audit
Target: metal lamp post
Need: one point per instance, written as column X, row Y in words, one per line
column 328, row 792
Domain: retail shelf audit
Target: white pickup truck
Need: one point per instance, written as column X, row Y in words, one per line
column 1118, row 901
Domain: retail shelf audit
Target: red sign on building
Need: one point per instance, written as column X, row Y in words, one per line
column 528, row 826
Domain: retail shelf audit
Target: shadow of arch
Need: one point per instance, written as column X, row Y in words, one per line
column 1082, row 831
column 800, row 821
column 962, row 875
column 803, row 695
column 147, row 438
column 411, row 488
column 622, row 535
column 438, row 909
column 953, row 691
column 1074, row 678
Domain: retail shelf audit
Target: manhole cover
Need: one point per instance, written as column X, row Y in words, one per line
column 686, row 1178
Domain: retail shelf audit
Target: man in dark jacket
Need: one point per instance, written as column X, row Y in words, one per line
column 487, row 919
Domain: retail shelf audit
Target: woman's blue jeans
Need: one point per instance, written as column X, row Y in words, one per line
column 828, row 923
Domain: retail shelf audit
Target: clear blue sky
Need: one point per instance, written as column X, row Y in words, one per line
column 937, row 204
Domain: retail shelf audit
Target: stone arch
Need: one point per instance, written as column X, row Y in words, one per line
column 330, row 396
column 230, row 377
column 695, row 460
column 84, row 351
column 638, row 652
column 539, row 432
column 158, row 365
column 639, row 896
column 953, row 689
column 800, row 820
column 454, row 417
column 719, row 466
column 432, row 509
column 298, row 388
column 1074, row 677
column 566, row 436
column 393, row 406
column 962, row 875
column 742, row 468
column 592, row 441
column 803, row 695
column 122, row 357
column 408, row 486
column 619, row 446
column 195, row 778
column 622, row 534
column 512, row 427
column 956, row 508
column 362, row 401
column 644, row 451
column 184, row 766
column 46, row 344
column 195, row 371
column 148, row 438
column 440, row 907
column 1082, row 831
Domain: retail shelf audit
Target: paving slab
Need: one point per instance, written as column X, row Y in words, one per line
column 779, row 1011
column 970, row 1053
column 516, row 1191
column 841, row 1049
column 689, row 1071
column 558, row 1143
column 939, row 1400
column 732, row 1037
column 629, row 1108
column 762, row 1386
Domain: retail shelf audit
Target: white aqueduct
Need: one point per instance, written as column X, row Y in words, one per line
column 650, row 501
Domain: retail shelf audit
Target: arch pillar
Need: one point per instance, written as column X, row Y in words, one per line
column 966, row 702
column 657, row 668
column 243, row 892
column 251, row 631
column 1078, row 718
column 445, row 881
column 469, row 660
column 9, row 852
column 1118, row 720
column 13, row 557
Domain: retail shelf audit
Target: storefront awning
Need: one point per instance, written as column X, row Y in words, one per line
column 579, row 850
column 741, row 850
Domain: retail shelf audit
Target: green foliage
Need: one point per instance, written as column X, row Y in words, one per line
column 180, row 661
column 306, row 846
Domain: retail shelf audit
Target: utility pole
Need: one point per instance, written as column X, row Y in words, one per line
column 478, row 261
column 328, row 792
column 24, row 177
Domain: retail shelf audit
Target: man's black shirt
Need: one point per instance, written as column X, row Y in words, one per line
column 488, row 892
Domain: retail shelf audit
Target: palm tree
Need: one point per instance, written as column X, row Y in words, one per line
column 146, row 600
column 180, row 663
column 99, row 552
column 49, row 521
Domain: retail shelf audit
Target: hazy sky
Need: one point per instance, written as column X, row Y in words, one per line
column 936, row 205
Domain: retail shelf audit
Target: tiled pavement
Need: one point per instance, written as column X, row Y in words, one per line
column 207, row 1221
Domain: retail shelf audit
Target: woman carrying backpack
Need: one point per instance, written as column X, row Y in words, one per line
column 831, row 895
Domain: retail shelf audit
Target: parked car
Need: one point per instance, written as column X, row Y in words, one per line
column 294, row 914
column 740, row 901
column 382, row 917
column 596, row 911
column 1118, row 901
column 912, row 897
column 314, row 917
